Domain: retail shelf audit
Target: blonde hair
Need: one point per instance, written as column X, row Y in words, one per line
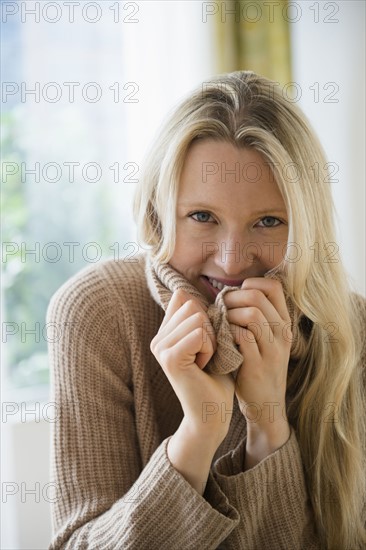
column 326, row 386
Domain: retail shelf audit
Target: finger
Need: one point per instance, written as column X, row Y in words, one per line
column 251, row 319
column 243, row 299
column 273, row 291
column 244, row 311
column 178, row 299
column 177, row 372
column 270, row 288
column 173, row 333
column 201, row 347
column 247, row 343
column 189, row 309
column 197, row 324
column 187, row 345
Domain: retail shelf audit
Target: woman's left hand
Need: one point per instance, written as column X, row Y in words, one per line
column 261, row 326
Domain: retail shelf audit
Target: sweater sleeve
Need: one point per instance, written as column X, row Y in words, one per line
column 271, row 497
column 104, row 498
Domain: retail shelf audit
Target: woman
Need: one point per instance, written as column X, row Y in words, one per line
column 211, row 390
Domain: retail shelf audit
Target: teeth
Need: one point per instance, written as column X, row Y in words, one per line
column 217, row 284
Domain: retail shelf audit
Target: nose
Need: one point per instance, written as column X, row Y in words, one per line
column 235, row 256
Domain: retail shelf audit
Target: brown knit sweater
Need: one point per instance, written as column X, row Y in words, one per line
column 116, row 488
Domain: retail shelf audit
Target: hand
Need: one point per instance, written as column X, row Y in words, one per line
column 183, row 346
column 259, row 321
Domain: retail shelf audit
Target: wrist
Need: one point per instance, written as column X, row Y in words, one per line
column 272, row 435
column 262, row 441
column 191, row 455
column 203, row 439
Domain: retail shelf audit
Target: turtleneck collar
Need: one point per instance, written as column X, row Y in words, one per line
column 163, row 280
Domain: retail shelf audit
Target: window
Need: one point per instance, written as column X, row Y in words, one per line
column 84, row 92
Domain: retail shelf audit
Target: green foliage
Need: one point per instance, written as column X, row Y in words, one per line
column 16, row 275
column 40, row 212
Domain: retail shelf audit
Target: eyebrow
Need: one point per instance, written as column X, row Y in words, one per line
column 211, row 207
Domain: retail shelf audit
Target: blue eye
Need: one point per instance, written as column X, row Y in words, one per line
column 202, row 216
column 271, row 220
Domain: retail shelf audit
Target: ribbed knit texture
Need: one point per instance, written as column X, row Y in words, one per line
column 117, row 410
column 163, row 280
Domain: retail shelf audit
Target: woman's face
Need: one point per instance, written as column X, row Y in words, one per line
column 231, row 219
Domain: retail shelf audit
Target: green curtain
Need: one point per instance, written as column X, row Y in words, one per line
column 253, row 36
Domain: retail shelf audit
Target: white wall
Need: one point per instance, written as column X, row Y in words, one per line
column 334, row 52
column 25, row 485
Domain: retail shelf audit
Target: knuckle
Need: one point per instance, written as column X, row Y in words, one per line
column 155, row 343
column 200, row 317
column 275, row 283
column 166, row 357
column 198, row 331
column 252, row 313
column 192, row 303
column 255, row 294
column 155, row 347
column 190, row 306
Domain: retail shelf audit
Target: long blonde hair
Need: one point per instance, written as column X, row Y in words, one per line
column 326, row 386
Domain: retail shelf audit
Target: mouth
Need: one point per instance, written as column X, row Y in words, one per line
column 215, row 285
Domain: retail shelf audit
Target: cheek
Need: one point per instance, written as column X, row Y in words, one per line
column 187, row 252
column 273, row 252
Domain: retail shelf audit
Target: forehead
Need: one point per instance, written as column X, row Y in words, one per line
column 227, row 174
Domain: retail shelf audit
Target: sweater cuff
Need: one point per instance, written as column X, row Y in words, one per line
column 209, row 517
column 277, row 473
column 272, row 497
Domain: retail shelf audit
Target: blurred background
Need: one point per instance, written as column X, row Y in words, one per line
column 85, row 87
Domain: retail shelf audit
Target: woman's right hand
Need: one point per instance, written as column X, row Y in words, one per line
column 183, row 346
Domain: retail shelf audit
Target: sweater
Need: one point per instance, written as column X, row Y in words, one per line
column 115, row 486
column 162, row 280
